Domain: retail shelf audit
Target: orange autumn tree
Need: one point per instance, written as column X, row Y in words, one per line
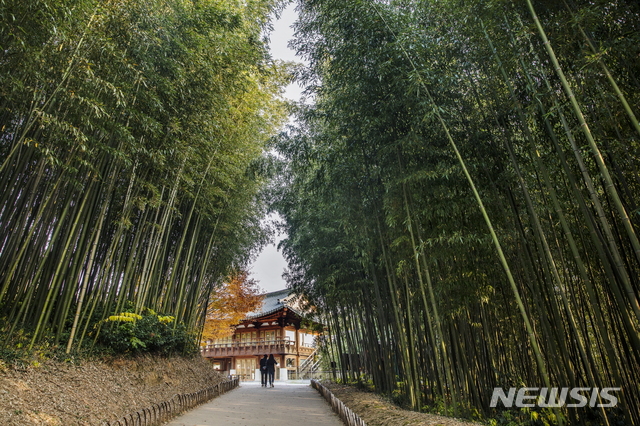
column 229, row 304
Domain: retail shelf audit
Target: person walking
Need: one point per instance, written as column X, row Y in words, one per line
column 263, row 370
column 271, row 368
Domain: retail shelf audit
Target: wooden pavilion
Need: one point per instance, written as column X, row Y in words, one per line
column 276, row 328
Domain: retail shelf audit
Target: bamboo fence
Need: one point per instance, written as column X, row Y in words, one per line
column 348, row 417
column 159, row 413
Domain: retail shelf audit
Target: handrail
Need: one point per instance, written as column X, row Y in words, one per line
column 259, row 342
column 307, row 361
column 315, row 365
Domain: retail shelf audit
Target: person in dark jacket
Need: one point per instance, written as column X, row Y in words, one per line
column 263, row 370
column 271, row 368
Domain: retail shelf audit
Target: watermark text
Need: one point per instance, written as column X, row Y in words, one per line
column 555, row 397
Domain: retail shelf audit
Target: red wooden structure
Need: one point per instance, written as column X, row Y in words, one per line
column 276, row 328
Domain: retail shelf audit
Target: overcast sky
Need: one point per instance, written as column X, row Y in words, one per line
column 269, row 266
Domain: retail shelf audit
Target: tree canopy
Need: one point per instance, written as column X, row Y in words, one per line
column 229, row 304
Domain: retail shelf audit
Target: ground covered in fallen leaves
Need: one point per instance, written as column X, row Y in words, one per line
column 92, row 392
column 377, row 411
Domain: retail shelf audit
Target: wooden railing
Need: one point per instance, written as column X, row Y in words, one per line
column 255, row 348
column 307, row 363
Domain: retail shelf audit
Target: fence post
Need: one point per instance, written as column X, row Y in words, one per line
column 166, row 410
column 349, row 417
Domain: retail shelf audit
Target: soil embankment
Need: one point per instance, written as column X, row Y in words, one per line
column 91, row 392
column 376, row 411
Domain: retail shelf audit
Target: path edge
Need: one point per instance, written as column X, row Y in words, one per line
column 345, row 413
column 162, row 412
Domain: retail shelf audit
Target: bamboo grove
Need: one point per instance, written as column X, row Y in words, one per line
column 461, row 200
column 132, row 141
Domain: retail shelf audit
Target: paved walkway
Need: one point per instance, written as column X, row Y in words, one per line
column 252, row 405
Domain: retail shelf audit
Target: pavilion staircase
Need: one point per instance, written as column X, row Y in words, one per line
column 310, row 366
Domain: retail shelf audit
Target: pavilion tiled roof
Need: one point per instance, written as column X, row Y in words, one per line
column 275, row 301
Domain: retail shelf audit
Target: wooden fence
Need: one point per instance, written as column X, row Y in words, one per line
column 348, row 417
column 160, row 413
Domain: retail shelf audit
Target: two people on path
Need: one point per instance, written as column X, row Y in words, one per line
column 267, row 370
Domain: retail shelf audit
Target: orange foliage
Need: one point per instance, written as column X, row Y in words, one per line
column 229, row 304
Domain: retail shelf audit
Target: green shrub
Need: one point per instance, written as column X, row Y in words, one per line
column 525, row 416
column 131, row 333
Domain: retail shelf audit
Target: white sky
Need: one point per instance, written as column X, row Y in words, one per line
column 270, row 265
column 282, row 33
column 268, row 268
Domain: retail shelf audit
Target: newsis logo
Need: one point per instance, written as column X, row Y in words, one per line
column 550, row 397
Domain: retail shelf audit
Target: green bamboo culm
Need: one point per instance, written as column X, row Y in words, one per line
column 133, row 156
column 439, row 207
column 609, row 185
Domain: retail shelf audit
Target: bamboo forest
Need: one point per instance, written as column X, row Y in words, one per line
column 459, row 188
column 132, row 136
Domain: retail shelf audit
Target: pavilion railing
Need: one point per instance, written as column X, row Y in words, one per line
column 250, row 343
column 254, row 347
